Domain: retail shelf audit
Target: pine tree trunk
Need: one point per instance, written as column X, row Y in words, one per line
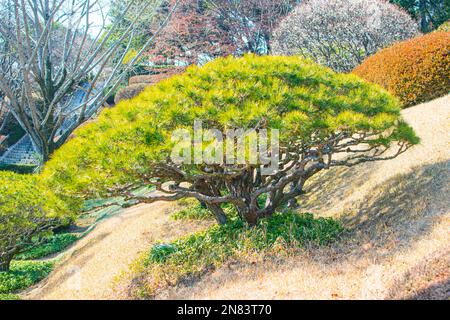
column 218, row 213
column 249, row 215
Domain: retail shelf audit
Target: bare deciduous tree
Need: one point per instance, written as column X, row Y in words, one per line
column 59, row 62
column 250, row 22
column 3, row 117
column 340, row 33
column 202, row 30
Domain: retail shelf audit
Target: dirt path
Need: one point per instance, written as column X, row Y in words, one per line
column 89, row 268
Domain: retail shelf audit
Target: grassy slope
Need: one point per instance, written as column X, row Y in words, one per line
column 398, row 247
column 398, row 210
column 35, row 263
column 94, row 266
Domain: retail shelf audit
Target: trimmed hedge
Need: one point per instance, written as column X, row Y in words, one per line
column 20, row 169
column 143, row 78
column 416, row 70
column 129, row 92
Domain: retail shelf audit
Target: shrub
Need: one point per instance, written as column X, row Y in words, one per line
column 143, row 78
column 340, row 34
column 50, row 245
column 445, row 27
column 416, row 70
column 157, row 75
column 23, row 274
column 319, row 115
column 129, row 92
column 28, row 211
column 193, row 211
column 171, row 263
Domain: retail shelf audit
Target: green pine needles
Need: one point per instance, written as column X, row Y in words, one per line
column 324, row 119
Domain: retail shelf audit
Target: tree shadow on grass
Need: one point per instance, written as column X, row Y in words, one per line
column 438, row 291
column 330, row 187
column 404, row 208
column 391, row 217
column 429, row 279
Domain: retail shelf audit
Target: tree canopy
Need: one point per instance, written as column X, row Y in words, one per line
column 430, row 13
column 59, row 62
column 324, row 119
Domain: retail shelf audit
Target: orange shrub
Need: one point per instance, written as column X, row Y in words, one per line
column 416, row 70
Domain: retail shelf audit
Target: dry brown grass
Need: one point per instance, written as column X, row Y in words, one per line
column 90, row 268
column 428, row 280
column 397, row 246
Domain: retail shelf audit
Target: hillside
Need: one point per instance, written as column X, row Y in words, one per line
column 224, row 150
column 89, row 269
column 397, row 246
column 398, row 212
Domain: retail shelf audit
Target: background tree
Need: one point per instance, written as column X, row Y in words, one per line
column 341, row 34
column 3, row 120
column 202, row 30
column 430, row 13
column 193, row 36
column 3, row 112
column 250, row 22
column 324, row 120
column 147, row 19
column 59, row 65
column 27, row 212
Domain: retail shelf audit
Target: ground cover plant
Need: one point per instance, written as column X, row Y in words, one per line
column 193, row 211
column 49, row 245
column 22, row 275
column 188, row 258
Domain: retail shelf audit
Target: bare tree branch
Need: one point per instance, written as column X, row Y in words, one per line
column 60, row 62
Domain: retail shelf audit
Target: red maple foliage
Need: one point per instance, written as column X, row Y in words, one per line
column 193, row 32
column 201, row 30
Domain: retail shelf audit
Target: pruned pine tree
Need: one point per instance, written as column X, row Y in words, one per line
column 324, row 119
